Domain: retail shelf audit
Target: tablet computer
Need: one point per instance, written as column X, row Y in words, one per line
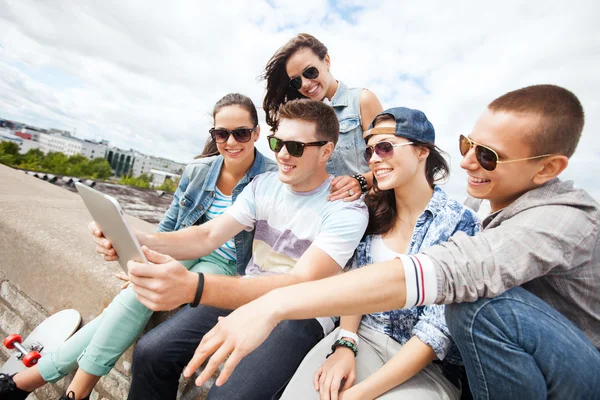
column 110, row 218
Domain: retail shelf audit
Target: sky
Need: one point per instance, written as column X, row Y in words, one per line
column 146, row 74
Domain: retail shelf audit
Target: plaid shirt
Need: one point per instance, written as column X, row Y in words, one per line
column 546, row 241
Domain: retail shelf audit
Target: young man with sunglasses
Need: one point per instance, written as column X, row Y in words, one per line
column 298, row 236
column 523, row 294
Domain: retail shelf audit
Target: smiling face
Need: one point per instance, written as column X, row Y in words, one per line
column 406, row 164
column 233, row 117
column 505, row 133
column 306, row 172
column 315, row 89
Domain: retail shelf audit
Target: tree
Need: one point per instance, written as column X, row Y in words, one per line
column 169, row 185
column 56, row 163
column 32, row 160
column 9, row 148
column 100, row 169
column 142, row 181
column 9, row 153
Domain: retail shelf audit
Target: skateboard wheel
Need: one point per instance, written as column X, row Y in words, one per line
column 10, row 341
column 31, row 358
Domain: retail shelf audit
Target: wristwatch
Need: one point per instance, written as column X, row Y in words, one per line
column 348, row 335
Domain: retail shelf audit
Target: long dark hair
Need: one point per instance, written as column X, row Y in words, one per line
column 278, row 82
column 382, row 203
column 209, row 150
column 231, row 99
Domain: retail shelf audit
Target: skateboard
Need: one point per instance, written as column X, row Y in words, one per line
column 44, row 339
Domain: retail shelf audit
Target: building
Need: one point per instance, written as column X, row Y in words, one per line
column 24, row 135
column 144, row 164
column 71, row 146
column 158, row 177
column 4, row 123
column 134, row 163
column 28, row 145
column 7, row 135
column 121, row 161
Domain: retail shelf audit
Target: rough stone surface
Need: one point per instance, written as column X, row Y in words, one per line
column 48, row 264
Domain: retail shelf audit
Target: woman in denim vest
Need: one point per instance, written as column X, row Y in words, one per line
column 208, row 185
column 394, row 354
column 301, row 69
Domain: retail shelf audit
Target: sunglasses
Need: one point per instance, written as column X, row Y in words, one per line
column 383, row 149
column 486, row 157
column 308, row 73
column 295, row 149
column 241, row 135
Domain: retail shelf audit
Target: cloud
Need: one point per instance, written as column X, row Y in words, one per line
column 144, row 75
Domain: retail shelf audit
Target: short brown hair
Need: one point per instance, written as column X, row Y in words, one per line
column 326, row 123
column 278, row 81
column 561, row 114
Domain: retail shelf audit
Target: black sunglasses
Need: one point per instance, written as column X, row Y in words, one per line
column 308, row 73
column 294, row 148
column 485, row 156
column 241, row 135
column 383, row 149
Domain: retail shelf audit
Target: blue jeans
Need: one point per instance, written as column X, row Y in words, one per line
column 516, row 346
column 160, row 356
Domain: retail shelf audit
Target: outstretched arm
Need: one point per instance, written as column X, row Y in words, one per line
column 195, row 241
column 381, row 287
column 184, row 244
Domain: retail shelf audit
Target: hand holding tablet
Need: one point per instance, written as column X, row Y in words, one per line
column 111, row 231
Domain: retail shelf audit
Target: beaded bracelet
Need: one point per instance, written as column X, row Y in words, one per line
column 362, row 181
column 343, row 343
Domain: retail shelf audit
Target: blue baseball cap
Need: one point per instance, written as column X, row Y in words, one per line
column 410, row 124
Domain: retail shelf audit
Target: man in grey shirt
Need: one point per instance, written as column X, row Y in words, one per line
column 524, row 292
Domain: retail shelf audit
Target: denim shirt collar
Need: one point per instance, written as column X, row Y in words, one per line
column 256, row 168
column 438, row 201
column 340, row 98
column 436, row 204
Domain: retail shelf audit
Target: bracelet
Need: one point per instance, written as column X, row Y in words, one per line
column 362, row 181
column 349, row 335
column 343, row 343
column 199, row 290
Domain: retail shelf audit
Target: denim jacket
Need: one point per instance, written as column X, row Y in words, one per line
column 349, row 155
column 196, row 192
column 441, row 219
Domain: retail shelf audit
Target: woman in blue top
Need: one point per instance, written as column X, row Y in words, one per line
column 398, row 352
column 301, row 69
column 207, row 187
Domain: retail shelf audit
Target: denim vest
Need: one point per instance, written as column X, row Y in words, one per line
column 196, row 192
column 349, row 155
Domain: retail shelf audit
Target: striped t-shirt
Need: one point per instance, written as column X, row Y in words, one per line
column 218, row 206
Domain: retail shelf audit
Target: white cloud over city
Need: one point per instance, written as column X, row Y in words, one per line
column 145, row 74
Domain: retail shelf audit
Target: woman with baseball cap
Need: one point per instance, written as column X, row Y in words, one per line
column 404, row 353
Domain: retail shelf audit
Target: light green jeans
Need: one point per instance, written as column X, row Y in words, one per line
column 97, row 346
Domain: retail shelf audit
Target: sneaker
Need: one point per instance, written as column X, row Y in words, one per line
column 71, row 396
column 9, row 389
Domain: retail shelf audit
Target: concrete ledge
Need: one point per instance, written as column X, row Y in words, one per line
column 48, row 264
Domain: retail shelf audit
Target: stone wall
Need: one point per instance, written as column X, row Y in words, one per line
column 48, row 263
